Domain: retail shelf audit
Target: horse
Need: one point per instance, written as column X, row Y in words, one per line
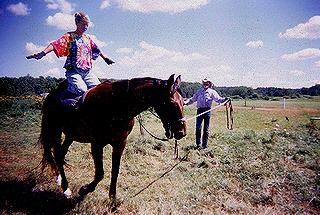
column 106, row 116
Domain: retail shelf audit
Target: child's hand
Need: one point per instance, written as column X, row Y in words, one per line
column 37, row 56
column 108, row 61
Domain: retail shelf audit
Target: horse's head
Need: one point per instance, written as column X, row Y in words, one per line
column 169, row 107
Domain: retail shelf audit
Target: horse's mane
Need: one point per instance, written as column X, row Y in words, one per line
column 124, row 84
column 144, row 79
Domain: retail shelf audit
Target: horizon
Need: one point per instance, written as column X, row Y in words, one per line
column 250, row 43
column 214, row 86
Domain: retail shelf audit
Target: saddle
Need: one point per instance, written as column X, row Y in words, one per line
column 69, row 101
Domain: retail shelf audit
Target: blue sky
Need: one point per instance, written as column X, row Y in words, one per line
column 254, row 43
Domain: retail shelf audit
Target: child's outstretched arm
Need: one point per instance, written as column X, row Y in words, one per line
column 107, row 60
column 40, row 55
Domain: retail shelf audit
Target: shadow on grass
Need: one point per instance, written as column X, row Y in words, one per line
column 20, row 197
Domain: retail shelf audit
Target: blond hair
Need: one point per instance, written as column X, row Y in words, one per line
column 80, row 16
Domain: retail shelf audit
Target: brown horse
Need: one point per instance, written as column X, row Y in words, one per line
column 106, row 116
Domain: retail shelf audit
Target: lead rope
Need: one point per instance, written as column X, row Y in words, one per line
column 168, row 171
column 176, row 150
column 229, row 110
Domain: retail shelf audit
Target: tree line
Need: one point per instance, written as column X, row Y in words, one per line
column 28, row 85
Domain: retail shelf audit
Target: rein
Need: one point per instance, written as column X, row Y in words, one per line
column 142, row 126
column 176, row 151
column 229, row 110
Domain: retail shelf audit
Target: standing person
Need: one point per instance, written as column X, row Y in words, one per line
column 204, row 98
column 80, row 50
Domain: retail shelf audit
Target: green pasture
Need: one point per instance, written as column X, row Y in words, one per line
column 268, row 164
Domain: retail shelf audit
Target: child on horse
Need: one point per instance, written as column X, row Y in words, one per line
column 80, row 50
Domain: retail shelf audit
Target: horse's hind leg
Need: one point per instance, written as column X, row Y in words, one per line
column 97, row 154
column 60, row 153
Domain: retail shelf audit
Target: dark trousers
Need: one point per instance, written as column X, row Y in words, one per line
column 205, row 118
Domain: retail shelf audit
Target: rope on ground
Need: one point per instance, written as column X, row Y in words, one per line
column 168, row 171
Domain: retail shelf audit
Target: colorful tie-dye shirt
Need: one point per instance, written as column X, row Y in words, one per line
column 80, row 51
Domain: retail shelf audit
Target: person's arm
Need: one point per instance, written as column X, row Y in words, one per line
column 217, row 98
column 192, row 99
column 40, row 55
column 107, row 60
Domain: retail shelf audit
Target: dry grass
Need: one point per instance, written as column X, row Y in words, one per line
column 266, row 165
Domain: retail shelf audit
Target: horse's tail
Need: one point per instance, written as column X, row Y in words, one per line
column 50, row 135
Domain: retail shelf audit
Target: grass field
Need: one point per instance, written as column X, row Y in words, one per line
column 268, row 164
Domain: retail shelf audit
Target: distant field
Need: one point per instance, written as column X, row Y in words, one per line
column 268, row 164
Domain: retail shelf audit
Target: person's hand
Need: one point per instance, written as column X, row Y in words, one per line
column 108, row 61
column 228, row 99
column 37, row 56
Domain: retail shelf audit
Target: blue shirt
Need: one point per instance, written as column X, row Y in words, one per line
column 204, row 98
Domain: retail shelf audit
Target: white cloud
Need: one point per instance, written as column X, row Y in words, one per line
column 61, row 21
column 297, row 72
column 99, row 43
column 261, row 79
column 147, row 6
column 309, row 30
column 52, row 5
column 180, row 57
column 55, row 72
column 62, row 5
column 32, row 48
column 19, row 9
column 105, row 4
column 151, row 53
column 303, row 54
column 318, row 63
column 254, row 44
column 222, row 75
column 156, row 61
column 98, row 71
column 124, row 50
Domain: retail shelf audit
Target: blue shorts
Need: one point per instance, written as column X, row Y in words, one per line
column 81, row 81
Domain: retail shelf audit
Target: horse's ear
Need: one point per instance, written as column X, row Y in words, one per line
column 175, row 85
column 170, row 80
column 178, row 81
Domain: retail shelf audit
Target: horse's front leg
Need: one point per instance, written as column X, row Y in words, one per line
column 97, row 154
column 116, row 158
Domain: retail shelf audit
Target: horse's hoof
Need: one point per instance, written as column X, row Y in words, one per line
column 114, row 203
column 118, row 201
column 67, row 193
column 58, row 180
column 84, row 190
